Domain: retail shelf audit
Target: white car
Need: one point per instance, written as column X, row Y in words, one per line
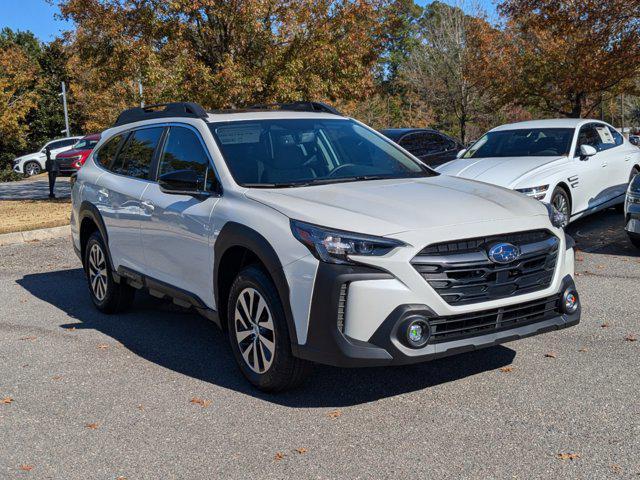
column 309, row 237
column 33, row 163
column 579, row 166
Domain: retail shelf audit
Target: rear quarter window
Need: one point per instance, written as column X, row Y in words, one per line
column 107, row 152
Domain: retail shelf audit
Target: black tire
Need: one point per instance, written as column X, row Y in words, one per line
column 561, row 201
column 107, row 295
column 273, row 372
column 33, row 167
column 634, row 171
column 634, row 239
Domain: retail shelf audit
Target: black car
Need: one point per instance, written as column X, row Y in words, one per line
column 632, row 211
column 430, row 146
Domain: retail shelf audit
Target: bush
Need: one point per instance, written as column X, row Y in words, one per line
column 8, row 175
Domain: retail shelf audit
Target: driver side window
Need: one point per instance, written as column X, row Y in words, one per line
column 587, row 136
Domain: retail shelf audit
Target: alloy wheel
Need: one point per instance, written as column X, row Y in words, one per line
column 254, row 329
column 561, row 204
column 33, row 169
column 98, row 272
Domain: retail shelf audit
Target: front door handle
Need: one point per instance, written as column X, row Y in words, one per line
column 148, row 206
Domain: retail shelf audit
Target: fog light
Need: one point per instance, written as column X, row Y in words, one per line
column 417, row 332
column 570, row 301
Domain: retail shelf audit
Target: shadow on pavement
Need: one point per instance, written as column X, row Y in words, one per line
column 34, row 189
column 603, row 232
column 187, row 343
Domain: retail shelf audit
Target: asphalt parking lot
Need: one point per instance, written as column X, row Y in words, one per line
column 154, row 393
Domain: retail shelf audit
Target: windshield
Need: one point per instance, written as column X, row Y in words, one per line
column 85, row 144
column 533, row 142
column 285, row 153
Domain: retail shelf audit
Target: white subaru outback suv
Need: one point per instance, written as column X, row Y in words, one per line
column 309, row 237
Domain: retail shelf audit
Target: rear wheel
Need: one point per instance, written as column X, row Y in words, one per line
column 259, row 334
column 560, row 200
column 107, row 295
column 32, row 168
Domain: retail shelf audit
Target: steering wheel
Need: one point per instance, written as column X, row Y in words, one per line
column 340, row 168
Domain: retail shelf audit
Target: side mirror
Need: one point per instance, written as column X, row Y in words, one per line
column 587, row 151
column 183, row 182
column 461, row 153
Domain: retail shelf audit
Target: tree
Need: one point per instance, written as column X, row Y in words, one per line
column 439, row 70
column 562, row 57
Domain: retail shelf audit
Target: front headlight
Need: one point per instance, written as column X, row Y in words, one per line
column 535, row 192
column 335, row 246
column 558, row 219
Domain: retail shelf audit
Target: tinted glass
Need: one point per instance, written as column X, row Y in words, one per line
column 184, row 151
column 134, row 160
column 105, row 155
column 425, row 143
column 616, row 136
column 526, row 142
column 85, row 144
column 279, row 153
column 61, row 143
column 597, row 136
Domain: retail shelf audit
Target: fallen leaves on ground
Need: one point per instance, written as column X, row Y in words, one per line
column 31, row 337
column 26, row 468
column 6, row 400
column 631, row 338
column 582, row 350
column 56, row 377
column 604, row 325
column 199, row 401
column 279, row 456
column 334, row 414
column 506, row 369
column 579, row 257
column 550, row 355
column 91, row 426
column 568, row 456
column 103, row 346
column 140, row 407
column 70, row 329
column 301, row 450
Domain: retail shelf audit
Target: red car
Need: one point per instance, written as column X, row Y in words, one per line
column 71, row 160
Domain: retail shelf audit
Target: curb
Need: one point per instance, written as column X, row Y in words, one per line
column 34, row 235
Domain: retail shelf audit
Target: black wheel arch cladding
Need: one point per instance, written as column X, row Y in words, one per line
column 234, row 235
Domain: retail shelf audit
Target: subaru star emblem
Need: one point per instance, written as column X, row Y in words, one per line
column 504, row 253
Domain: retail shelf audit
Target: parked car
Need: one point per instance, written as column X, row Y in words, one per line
column 579, row 166
column 635, row 140
column 72, row 160
column 309, row 237
column 33, row 163
column 430, row 146
column 632, row 211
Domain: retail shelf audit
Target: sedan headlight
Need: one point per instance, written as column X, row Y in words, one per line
column 535, row 192
column 558, row 219
column 335, row 246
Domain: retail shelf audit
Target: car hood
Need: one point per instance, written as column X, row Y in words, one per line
column 503, row 171
column 30, row 156
column 385, row 207
column 72, row 153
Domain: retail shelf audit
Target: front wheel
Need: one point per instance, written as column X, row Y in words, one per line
column 32, row 168
column 560, row 200
column 259, row 334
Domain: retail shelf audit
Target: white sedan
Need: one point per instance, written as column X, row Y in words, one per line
column 579, row 166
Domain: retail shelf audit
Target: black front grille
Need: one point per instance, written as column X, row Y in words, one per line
column 462, row 273
column 447, row 329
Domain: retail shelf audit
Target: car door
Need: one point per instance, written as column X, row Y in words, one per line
column 591, row 182
column 177, row 229
column 119, row 195
column 621, row 161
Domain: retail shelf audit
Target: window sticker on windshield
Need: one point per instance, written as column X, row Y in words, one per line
column 605, row 134
column 233, row 135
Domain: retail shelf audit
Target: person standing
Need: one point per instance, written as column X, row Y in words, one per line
column 52, row 170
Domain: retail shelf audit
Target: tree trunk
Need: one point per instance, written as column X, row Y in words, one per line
column 576, row 111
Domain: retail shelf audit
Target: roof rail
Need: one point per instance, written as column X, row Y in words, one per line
column 298, row 107
column 175, row 109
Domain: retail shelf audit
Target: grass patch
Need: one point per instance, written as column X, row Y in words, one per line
column 23, row 215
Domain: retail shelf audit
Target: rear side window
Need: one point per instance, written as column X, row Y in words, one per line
column 425, row 143
column 62, row 143
column 105, row 155
column 183, row 151
column 134, row 160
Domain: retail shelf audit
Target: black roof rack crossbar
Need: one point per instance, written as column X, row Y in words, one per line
column 298, row 107
column 175, row 109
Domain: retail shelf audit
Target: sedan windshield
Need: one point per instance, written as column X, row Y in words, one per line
column 288, row 153
column 533, row 142
column 85, row 144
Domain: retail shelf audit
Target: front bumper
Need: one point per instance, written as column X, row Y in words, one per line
column 632, row 211
column 327, row 342
column 17, row 167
